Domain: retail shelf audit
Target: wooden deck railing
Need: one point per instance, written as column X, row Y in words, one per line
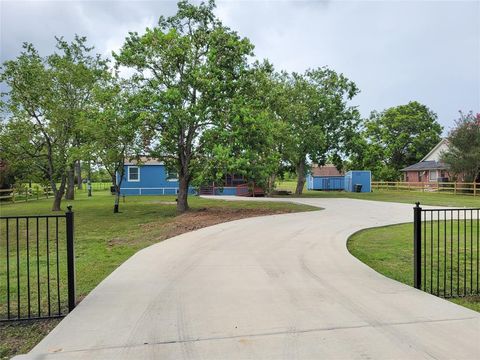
column 249, row 190
column 455, row 188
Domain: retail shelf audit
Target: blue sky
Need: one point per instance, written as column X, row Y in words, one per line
column 396, row 51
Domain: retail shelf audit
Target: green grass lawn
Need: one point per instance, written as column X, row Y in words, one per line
column 409, row 197
column 103, row 241
column 389, row 250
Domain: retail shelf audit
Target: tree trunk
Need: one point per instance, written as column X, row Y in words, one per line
column 114, row 180
column 182, row 198
column 58, row 194
column 271, row 184
column 70, row 194
column 78, row 170
column 117, row 200
column 300, row 177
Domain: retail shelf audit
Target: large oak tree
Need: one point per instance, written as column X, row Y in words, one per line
column 319, row 120
column 186, row 69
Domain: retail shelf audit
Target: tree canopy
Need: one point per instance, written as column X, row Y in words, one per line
column 463, row 154
column 47, row 100
column 395, row 138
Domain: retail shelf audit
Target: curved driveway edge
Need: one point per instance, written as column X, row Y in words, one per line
column 274, row 287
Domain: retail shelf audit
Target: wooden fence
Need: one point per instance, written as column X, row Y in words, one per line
column 26, row 194
column 36, row 192
column 455, row 188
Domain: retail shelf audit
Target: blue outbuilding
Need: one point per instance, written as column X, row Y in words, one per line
column 325, row 182
column 325, row 178
column 149, row 177
column 329, row 178
column 361, row 179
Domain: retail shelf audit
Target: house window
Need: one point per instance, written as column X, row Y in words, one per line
column 433, row 175
column 133, row 173
column 171, row 175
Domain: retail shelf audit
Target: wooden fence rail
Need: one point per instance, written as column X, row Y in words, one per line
column 455, row 188
column 37, row 192
column 25, row 194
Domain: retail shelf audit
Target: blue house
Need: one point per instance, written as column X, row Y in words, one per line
column 150, row 177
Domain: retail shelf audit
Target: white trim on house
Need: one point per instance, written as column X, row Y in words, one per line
column 168, row 178
column 138, row 173
column 442, row 143
column 151, row 188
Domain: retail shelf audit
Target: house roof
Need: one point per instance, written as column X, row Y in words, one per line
column 144, row 160
column 327, row 170
column 426, row 165
column 440, row 144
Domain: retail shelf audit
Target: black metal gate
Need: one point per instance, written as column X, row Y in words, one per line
column 37, row 266
column 446, row 251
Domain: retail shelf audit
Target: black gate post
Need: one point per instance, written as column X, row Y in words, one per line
column 70, row 259
column 417, row 246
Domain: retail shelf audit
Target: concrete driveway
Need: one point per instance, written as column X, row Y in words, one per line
column 275, row 287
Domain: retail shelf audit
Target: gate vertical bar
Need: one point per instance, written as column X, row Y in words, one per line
column 18, row 267
column 28, row 266
column 70, row 259
column 58, row 267
column 445, row 253
column 8, row 268
column 417, row 246
column 48, row 267
column 465, row 252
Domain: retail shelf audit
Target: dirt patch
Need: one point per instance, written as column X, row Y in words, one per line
column 201, row 218
column 117, row 241
column 20, row 337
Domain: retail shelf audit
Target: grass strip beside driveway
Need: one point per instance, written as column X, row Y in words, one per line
column 389, row 250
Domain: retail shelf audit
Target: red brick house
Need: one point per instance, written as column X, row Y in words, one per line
column 430, row 168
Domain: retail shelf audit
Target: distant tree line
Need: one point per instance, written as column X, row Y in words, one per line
column 197, row 100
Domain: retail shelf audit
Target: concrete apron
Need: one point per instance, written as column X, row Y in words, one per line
column 273, row 287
